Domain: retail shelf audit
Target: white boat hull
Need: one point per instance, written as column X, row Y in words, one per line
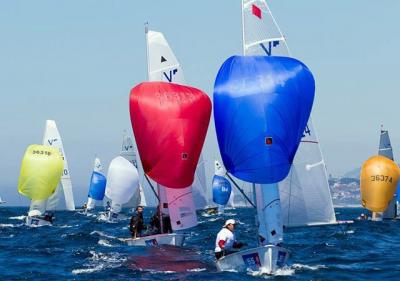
column 267, row 259
column 35, row 222
column 173, row 239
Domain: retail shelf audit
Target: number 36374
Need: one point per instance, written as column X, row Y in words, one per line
column 381, row 178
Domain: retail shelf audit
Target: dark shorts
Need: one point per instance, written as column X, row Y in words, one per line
column 219, row 255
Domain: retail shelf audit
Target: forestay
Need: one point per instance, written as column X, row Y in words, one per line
column 305, row 195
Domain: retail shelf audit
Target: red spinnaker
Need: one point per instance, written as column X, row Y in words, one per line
column 170, row 124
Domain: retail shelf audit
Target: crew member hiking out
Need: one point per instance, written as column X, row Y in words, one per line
column 226, row 241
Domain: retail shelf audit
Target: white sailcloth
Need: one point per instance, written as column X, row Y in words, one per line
column 385, row 149
column 129, row 153
column 182, row 211
column 164, row 66
column 122, row 182
column 305, row 195
column 270, row 228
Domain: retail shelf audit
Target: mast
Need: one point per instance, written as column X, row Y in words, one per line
column 157, row 194
column 146, row 32
column 243, row 40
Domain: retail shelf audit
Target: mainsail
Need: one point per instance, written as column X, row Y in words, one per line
column 170, row 123
column 305, row 195
column 385, row 149
column 164, row 66
column 40, row 173
column 52, row 138
column 129, row 153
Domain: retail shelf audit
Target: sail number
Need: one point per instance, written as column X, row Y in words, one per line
column 65, row 173
column 307, row 131
column 48, row 153
column 382, row 178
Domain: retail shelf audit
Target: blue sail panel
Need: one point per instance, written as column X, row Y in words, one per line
column 221, row 190
column 261, row 108
column 97, row 186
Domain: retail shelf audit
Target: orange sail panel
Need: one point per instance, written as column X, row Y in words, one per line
column 170, row 123
column 379, row 177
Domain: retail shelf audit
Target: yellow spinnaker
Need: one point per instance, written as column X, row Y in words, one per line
column 41, row 171
column 378, row 182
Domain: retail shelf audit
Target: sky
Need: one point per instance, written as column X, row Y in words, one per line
column 75, row 62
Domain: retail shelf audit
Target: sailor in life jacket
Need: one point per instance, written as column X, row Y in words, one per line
column 226, row 241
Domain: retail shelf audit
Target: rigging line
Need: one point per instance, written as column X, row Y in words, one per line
column 241, row 190
column 152, row 188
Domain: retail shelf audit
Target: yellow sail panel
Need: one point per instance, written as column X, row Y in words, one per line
column 378, row 182
column 41, row 171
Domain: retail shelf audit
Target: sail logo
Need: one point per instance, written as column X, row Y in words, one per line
column 170, row 75
column 268, row 50
column 51, row 141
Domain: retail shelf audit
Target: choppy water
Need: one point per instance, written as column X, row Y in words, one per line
column 80, row 247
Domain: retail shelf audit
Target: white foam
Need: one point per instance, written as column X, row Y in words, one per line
column 88, row 270
column 308, row 267
column 7, row 225
column 17, row 218
column 104, row 242
column 197, row 269
column 101, row 233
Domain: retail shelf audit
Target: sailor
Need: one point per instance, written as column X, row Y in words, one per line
column 48, row 217
column 226, row 241
column 155, row 223
column 137, row 225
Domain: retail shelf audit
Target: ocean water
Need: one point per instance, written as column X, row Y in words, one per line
column 79, row 247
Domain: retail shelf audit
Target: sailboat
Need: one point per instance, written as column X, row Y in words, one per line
column 2, row 201
column 261, row 108
column 378, row 182
column 385, row 149
column 170, row 122
column 64, row 189
column 162, row 65
column 221, row 187
column 97, row 185
column 122, row 184
column 40, row 174
column 304, row 194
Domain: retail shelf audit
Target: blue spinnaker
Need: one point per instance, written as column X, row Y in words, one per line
column 261, row 108
column 221, row 190
column 97, row 186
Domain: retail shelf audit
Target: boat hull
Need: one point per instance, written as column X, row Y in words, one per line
column 35, row 222
column 267, row 259
column 174, row 239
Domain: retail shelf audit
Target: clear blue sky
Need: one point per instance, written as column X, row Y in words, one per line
column 75, row 62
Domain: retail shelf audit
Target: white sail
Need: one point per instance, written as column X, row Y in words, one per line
column 385, row 149
column 164, row 66
column 162, row 63
column 2, row 201
column 305, row 194
column 52, row 138
column 182, row 211
column 97, row 167
column 270, row 228
column 128, row 151
column 122, row 182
